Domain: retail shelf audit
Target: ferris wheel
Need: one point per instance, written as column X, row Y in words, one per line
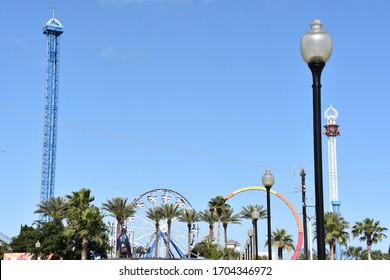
column 142, row 231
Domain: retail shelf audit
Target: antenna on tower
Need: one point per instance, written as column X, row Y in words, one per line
column 54, row 8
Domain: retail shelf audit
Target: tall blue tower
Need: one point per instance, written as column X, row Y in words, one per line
column 53, row 29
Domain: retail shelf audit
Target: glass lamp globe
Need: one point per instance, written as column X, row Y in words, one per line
column 268, row 179
column 316, row 44
column 255, row 214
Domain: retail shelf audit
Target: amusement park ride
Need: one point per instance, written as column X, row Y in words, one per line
column 138, row 239
column 332, row 131
column 53, row 29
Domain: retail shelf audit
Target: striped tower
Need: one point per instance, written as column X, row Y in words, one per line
column 332, row 130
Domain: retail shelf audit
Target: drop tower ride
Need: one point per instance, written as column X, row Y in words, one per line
column 53, row 29
column 332, row 131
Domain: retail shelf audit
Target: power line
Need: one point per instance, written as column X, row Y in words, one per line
column 343, row 176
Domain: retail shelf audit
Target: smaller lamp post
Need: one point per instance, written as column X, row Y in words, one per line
column 38, row 245
column 255, row 217
column 268, row 181
column 248, row 243
column 250, row 234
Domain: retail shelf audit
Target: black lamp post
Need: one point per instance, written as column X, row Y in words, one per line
column 268, row 181
column 250, row 234
column 248, row 242
column 316, row 49
column 255, row 217
column 304, row 215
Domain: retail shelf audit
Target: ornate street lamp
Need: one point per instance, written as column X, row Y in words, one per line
column 38, row 246
column 268, row 181
column 316, row 49
column 255, row 217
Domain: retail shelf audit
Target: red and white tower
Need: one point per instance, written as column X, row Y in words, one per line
column 332, row 130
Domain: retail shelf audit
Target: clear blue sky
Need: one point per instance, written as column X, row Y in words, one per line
column 197, row 96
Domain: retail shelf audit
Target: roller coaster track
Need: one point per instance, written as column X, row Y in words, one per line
column 4, row 238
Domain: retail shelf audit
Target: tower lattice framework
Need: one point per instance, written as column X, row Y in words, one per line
column 53, row 29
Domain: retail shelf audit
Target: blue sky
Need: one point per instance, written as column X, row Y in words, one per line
column 196, row 96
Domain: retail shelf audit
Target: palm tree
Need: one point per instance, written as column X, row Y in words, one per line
column 206, row 249
column 84, row 220
column 281, row 240
column 156, row 215
column 217, row 204
column 354, row 253
column 208, row 217
column 370, row 231
column 170, row 211
column 188, row 216
column 79, row 200
column 228, row 217
column 335, row 226
column 247, row 211
column 52, row 207
column 119, row 209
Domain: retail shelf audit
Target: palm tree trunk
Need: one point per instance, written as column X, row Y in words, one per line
column 156, row 246
column 168, row 239
column 119, row 229
column 189, row 240
column 225, row 234
column 280, row 253
column 211, row 231
column 331, row 250
column 84, row 246
column 219, row 232
column 369, row 252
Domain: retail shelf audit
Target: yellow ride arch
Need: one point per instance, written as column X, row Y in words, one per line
column 295, row 213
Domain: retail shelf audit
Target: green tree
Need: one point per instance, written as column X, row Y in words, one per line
column 378, row 255
column 230, row 254
column 170, row 211
column 208, row 217
column 53, row 207
column 247, row 211
column 85, row 222
column 188, row 216
column 156, row 215
column 207, row 249
column 54, row 245
column 227, row 217
column 4, row 248
column 369, row 231
column 335, row 226
column 121, row 210
column 281, row 241
column 25, row 241
column 216, row 205
column 353, row 253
